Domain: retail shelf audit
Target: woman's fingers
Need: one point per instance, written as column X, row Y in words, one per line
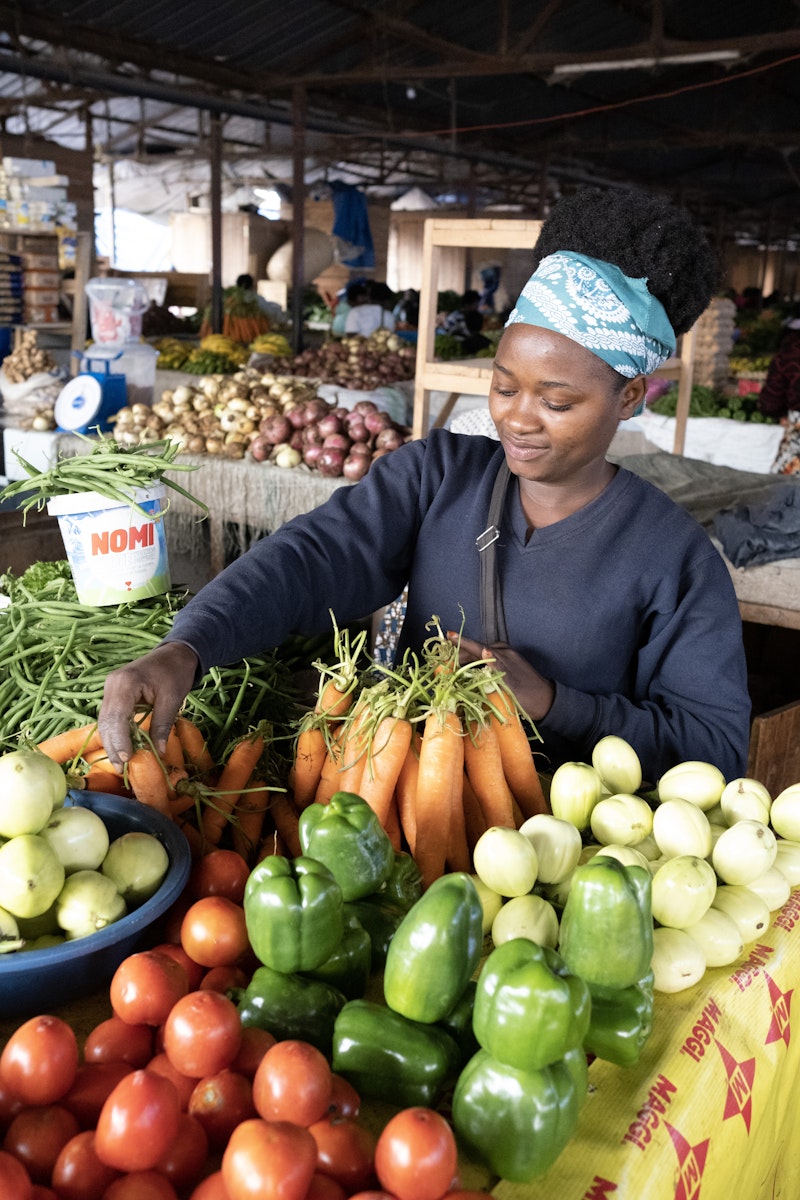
column 161, row 679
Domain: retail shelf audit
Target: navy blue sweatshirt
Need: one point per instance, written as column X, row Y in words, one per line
column 626, row 604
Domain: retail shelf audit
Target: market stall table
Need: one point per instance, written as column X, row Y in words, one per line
column 709, row 1111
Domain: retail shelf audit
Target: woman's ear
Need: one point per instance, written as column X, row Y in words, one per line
column 633, row 397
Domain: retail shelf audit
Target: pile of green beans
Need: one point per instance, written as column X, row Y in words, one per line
column 55, row 654
column 110, row 469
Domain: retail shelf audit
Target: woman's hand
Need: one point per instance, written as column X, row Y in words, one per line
column 161, row 678
column 533, row 692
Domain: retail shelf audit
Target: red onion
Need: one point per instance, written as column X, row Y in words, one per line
column 297, row 440
column 296, row 417
column 388, row 439
column 331, row 461
column 311, row 454
column 261, row 447
column 361, row 448
column 337, row 441
column 364, row 407
column 330, row 423
column 355, row 466
column 376, row 421
column 314, row 410
column 276, row 429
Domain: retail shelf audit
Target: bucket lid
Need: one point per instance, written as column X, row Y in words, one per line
column 86, row 502
column 78, row 403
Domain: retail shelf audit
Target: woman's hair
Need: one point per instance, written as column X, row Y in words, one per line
column 646, row 236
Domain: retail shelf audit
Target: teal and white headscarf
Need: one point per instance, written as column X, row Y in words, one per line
column 595, row 304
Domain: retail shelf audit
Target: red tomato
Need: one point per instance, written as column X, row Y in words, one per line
column 171, row 924
column 141, row 1185
column 10, row 1104
column 93, row 1084
column 269, row 1160
column 373, row 1196
column 255, row 1043
column 78, row 1173
column 185, row 1159
column 211, row 1188
column 345, row 1150
column 219, row 873
column 145, row 986
column 36, row 1137
column 224, row 979
column 14, row 1179
column 39, row 1060
column 214, row 933
column 292, row 1083
column 42, row 1192
column 115, row 1040
column 416, row 1155
column 138, row 1122
column 221, row 1102
column 322, row 1187
column 345, row 1100
column 184, row 1084
column 194, row 971
column 202, row 1033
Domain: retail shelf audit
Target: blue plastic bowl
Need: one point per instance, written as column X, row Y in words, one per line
column 34, row 981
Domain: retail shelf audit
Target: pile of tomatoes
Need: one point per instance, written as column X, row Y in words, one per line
column 170, row 1098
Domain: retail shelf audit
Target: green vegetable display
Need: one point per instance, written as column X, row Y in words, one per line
column 346, row 835
column 387, row 1057
column 291, row 1006
column 404, row 885
column 380, row 917
column 518, row 1122
column 529, row 1009
column 293, row 912
column 435, row 950
column 349, row 966
column 606, row 933
column 621, row 1021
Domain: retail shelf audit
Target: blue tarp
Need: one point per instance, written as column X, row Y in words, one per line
column 351, row 223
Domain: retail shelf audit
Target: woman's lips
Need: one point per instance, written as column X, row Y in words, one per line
column 522, row 451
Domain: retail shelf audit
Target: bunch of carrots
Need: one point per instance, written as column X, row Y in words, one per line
column 237, row 802
column 440, row 751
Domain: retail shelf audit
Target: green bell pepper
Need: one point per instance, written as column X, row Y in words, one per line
column 293, row 913
column 606, row 933
column 458, row 1023
column 291, row 1006
column 518, row 1122
column 387, row 1057
column 435, row 950
column 621, row 1021
column 346, row 835
column 381, row 918
column 529, row 1008
column 404, row 885
column 348, row 968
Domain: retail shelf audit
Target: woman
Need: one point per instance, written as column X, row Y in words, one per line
column 780, row 396
column 607, row 605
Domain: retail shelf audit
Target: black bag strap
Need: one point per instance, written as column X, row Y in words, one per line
column 493, row 619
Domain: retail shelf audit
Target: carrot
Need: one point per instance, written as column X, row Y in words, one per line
column 173, row 753
column 286, row 819
column 195, row 748
column 441, row 756
column 309, row 757
column 233, row 779
column 338, row 683
column 458, row 852
column 193, row 837
column 383, row 763
column 250, row 812
column 516, row 756
column 406, row 792
column 98, row 779
column 354, row 748
column 474, row 820
column 271, row 843
column 72, row 743
column 329, row 775
column 147, row 779
column 392, row 825
column 485, row 773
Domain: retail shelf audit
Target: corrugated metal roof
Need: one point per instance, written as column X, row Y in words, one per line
column 402, row 93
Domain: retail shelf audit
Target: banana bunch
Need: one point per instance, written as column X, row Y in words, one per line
column 271, row 343
column 172, row 354
column 218, row 343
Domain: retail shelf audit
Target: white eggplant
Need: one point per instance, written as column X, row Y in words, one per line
column 744, row 851
column 683, row 890
column 557, row 844
column 621, row 820
column 678, row 961
column 680, row 827
column 699, row 782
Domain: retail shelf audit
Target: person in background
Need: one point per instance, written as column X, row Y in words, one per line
column 367, row 312
column 779, row 398
column 267, row 307
column 466, row 324
column 607, row 606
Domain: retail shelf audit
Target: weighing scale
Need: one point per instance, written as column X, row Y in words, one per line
column 90, row 399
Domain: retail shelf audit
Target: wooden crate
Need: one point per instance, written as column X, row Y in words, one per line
column 774, row 757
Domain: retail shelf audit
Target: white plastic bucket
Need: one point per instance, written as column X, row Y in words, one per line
column 116, row 554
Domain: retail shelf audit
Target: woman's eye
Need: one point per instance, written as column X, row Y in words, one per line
column 556, row 407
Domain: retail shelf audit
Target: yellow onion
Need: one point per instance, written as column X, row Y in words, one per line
column 699, row 782
column 785, row 813
column 683, row 889
column 621, row 820
column 744, row 851
column 678, row 961
column 680, row 827
column 718, row 936
column 557, row 844
column 747, row 909
column 617, row 764
column 575, row 789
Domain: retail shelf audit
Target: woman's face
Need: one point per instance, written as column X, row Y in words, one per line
column 556, row 406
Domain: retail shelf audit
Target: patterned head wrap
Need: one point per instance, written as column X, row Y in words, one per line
column 596, row 305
